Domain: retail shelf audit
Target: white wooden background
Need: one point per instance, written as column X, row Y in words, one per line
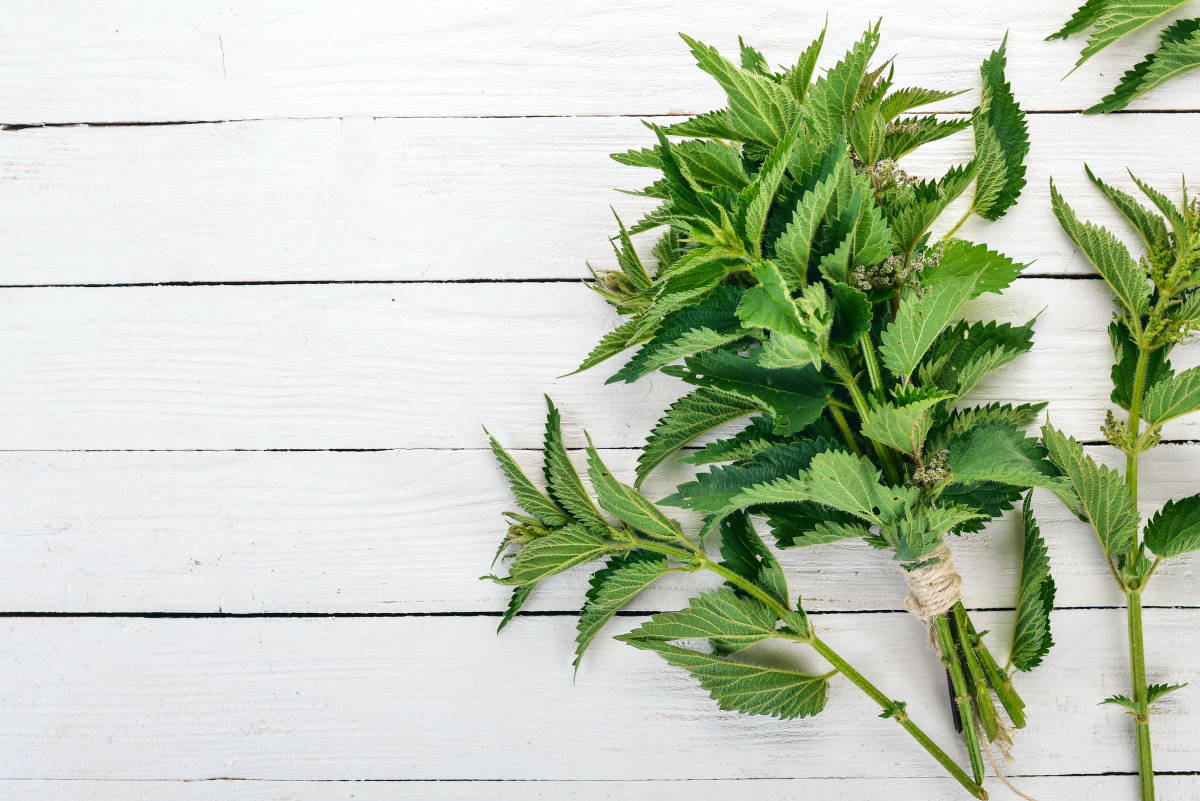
column 266, row 268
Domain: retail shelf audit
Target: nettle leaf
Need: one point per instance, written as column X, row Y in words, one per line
column 913, row 209
column 1102, row 492
column 831, row 99
column 1172, row 396
column 737, row 621
column 1175, row 528
column 1120, row 700
column 613, row 586
column 966, row 352
column 563, row 482
column 619, row 339
column 794, row 246
column 627, row 503
column 754, row 201
column 759, row 108
column 555, row 552
column 920, row 321
column 687, row 418
column 520, row 595
column 1149, row 225
column 852, row 314
column 796, row 525
column 1001, row 141
column 745, row 444
column 902, row 137
column 1081, row 20
column 709, row 324
column 961, row 420
column 1119, row 18
column 988, row 270
column 706, row 161
column 997, row 450
column 528, row 496
column 744, row 552
column 1108, row 255
column 1031, row 637
column 794, row 396
column 1178, row 53
column 904, row 424
column 752, row 689
column 911, row 97
column 1157, row 691
column 715, row 124
column 1125, row 353
column 799, row 78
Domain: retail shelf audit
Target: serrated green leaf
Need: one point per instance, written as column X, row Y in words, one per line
column 744, row 552
column 628, row 504
column 902, row 137
column 998, row 451
column 988, row 270
column 1081, row 20
column 911, row 97
column 919, row 322
column 1175, row 528
column 852, row 314
column 806, row 523
column 837, row 479
column 793, row 247
column 794, row 396
column 1121, row 17
column 1031, row 637
column 528, row 496
column 557, row 551
column 902, row 425
column 799, row 77
column 754, row 200
column 562, row 482
column 1157, row 691
column 1172, row 396
column 759, row 108
column 752, row 689
column 687, row 418
column 738, row 621
column 914, row 208
column 1120, row 700
column 1152, row 228
column 520, row 595
column 745, row 444
column 1002, row 140
column 831, row 99
column 610, row 345
column 1178, row 53
column 715, row 124
column 966, row 352
column 1108, row 255
column 1103, row 494
column 1125, row 353
column 613, row 586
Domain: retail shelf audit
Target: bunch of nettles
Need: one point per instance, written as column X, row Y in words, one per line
column 796, row 278
column 1178, row 49
column 1157, row 306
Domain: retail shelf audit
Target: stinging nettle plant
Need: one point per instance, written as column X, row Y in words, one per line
column 1157, row 307
column 1108, row 20
column 797, row 281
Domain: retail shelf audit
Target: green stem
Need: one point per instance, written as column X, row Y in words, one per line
column 1137, row 660
column 886, row 458
column 844, row 427
column 999, row 681
column 1135, row 425
column 959, row 224
column 983, row 698
column 873, row 372
column 894, row 708
column 962, row 696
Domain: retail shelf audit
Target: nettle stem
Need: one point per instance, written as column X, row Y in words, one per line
column 893, row 709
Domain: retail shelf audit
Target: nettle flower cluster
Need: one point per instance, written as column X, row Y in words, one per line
column 796, row 287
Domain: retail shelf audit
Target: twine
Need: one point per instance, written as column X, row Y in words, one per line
column 933, row 589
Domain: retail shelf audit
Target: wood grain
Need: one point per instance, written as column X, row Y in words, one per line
column 410, row 531
column 435, row 697
column 129, row 61
column 434, row 199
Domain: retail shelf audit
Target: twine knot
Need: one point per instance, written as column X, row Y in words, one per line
column 933, row 589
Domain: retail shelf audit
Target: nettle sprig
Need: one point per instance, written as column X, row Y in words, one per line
column 1108, row 20
column 796, row 278
column 1157, row 306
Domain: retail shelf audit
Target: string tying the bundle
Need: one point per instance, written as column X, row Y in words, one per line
column 933, row 589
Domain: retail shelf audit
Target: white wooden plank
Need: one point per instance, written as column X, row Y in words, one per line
column 425, row 698
column 429, row 199
column 362, row 366
column 1064, row 788
column 409, row 531
column 128, row 61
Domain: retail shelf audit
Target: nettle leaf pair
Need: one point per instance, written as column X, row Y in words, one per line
column 1157, row 306
column 1108, row 20
column 796, row 287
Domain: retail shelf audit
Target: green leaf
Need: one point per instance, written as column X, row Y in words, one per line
column 794, row 396
column 613, row 586
column 1151, row 227
column 799, row 77
column 1175, row 528
column 753, row 60
column 1125, row 352
column 1035, row 599
column 914, row 208
column 1121, row 17
column 902, row 137
column 794, row 246
column 907, row 99
column 627, row 503
column 737, row 621
column 706, row 161
column 1172, row 396
column 852, row 314
column 1001, row 141
column 759, row 108
column 997, row 450
column 1120, row 700
column 687, row 418
column 903, row 425
column 1108, row 255
column 1102, row 492
column 520, row 595
column 743, row 552
column 754, row 201
column 988, row 270
column 966, row 352
column 837, row 479
column 807, row 523
column 919, row 322
column 563, row 482
column 529, row 497
column 831, row 99
column 752, row 689
column 557, row 551
column 1178, row 53
column 1156, row 691
column 1081, row 20
column 715, row 124
column 611, row 344
column 745, row 444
